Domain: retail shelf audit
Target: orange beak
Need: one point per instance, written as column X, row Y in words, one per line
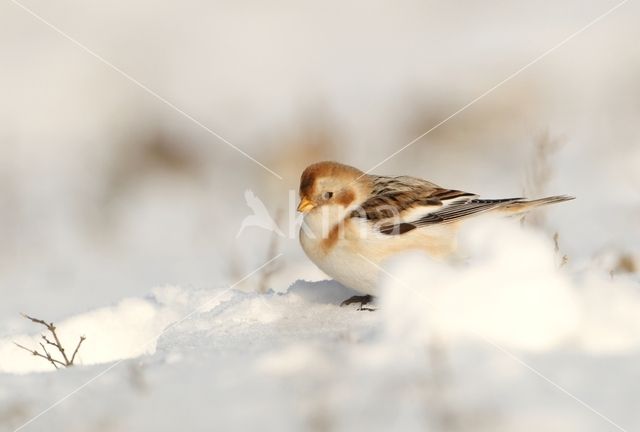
column 305, row 205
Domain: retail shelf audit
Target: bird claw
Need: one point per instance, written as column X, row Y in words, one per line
column 363, row 300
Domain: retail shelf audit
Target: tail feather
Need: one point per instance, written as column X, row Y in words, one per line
column 525, row 205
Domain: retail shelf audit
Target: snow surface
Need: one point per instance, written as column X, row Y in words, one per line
column 507, row 340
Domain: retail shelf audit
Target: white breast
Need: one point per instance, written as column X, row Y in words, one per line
column 342, row 263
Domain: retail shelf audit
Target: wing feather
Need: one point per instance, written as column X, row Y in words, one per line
column 402, row 204
column 462, row 209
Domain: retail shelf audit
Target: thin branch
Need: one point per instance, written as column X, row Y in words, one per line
column 55, row 343
column 45, row 350
column 52, row 330
column 38, row 321
column 47, row 340
column 37, row 354
column 34, row 352
column 51, row 359
column 58, row 345
column 82, row 338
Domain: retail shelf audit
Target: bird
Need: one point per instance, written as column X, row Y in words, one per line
column 353, row 219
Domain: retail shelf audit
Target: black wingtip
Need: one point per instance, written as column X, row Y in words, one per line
column 560, row 198
column 400, row 228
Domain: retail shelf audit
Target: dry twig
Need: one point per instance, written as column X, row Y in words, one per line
column 66, row 362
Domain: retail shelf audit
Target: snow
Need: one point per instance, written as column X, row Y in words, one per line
column 507, row 319
column 513, row 293
column 110, row 329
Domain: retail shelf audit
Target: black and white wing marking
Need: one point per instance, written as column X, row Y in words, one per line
column 404, row 196
column 401, row 204
column 463, row 208
column 449, row 213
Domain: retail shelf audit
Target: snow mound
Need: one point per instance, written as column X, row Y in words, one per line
column 127, row 329
column 511, row 291
column 181, row 317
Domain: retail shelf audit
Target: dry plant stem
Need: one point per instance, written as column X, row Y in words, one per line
column 55, row 343
column 53, row 361
column 73, row 357
column 52, row 329
column 556, row 241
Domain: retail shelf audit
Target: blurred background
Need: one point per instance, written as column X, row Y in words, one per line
column 106, row 190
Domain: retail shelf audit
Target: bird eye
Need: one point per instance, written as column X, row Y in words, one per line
column 327, row 195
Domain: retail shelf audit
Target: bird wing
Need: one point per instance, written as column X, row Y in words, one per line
column 463, row 208
column 406, row 198
column 401, row 204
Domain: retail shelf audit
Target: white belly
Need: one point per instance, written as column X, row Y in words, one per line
column 342, row 264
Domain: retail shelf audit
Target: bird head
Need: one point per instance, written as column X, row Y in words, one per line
column 332, row 183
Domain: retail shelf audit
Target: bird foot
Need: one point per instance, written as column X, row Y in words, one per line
column 363, row 300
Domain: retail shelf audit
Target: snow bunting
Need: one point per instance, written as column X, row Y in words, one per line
column 351, row 217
